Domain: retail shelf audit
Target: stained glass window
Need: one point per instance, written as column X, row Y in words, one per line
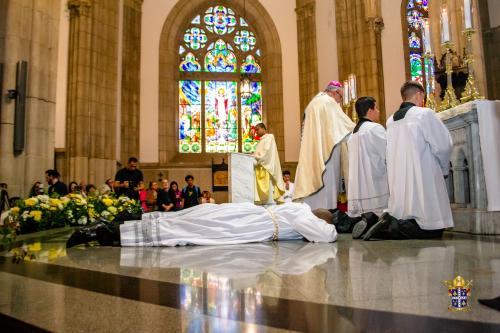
column 220, row 20
column 250, row 65
column 195, row 38
column 244, row 40
column 215, row 50
column 190, row 116
column 416, row 13
column 221, row 116
column 219, row 58
column 416, row 67
column 190, row 64
column 251, row 115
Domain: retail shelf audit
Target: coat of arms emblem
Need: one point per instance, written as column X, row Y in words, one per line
column 459, row 291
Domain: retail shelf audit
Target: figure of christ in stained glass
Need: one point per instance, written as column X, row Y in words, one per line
column 251, row 115
column 189, row 116
column 221, row 117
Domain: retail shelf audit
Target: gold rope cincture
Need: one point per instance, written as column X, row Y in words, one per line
column 276, row 225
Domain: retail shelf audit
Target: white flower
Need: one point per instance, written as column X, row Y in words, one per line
column 60, row 206
column 44, row 206
column 82, row 220
column 105, row 213
column 25, row 215
column 43, row 198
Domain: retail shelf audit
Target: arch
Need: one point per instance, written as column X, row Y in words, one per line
column 176, row 23
column 461, row 182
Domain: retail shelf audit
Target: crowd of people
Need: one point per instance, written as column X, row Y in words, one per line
column 129, row 181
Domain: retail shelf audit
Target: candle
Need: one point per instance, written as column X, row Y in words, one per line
column 346, row 92
column 352, row 85
column 445, row 24
column 468, row 14
column 427, row 37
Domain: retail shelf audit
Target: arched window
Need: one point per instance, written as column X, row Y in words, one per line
column 416, row 12
column 217, row 51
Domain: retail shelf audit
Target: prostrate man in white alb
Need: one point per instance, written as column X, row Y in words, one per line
column 368, row 189
column 318, row 177
column 418, row 154
column 269, row 186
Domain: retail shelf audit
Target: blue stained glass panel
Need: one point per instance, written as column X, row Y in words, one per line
column 190, row 116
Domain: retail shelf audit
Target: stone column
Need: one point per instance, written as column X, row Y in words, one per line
column 130, row 94
column 308, row 59
column 359, row 27
column 92, row 68
column 28, row 31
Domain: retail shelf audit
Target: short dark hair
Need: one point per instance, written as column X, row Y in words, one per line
column 410, row 88
column 133, row 160
column 261, row 125
column 363, row 104
column 89, row 186
column 188, row 177
column 286, row 172
column 53, row 173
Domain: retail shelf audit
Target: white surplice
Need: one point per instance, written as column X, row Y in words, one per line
column 368, row 187
column 418, row 153
column 231, row 223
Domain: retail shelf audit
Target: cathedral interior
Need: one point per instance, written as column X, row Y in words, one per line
column 180, row 85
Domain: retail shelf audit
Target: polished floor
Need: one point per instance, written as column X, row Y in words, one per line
column 348, row 286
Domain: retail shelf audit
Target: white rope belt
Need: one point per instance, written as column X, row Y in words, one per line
column 276, row 225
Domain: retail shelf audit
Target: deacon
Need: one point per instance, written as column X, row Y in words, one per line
column 325, row 126
column 368, row 189
column 418, row 154
column 269, row 186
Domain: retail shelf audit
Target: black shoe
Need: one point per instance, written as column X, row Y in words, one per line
column 343, row 223
column 368, row 220
column 109, row 234
column 383, row 222
column 93, row 232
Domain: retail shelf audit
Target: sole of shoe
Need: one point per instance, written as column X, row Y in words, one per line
column 382, row 222
column 359, row 229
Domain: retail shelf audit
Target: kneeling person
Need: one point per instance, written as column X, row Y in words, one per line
column 418, row 154
column 368, row 189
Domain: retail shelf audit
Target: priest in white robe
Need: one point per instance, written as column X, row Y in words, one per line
column 418, row 153
column 325, row 126
column 269, row 186
column 368, row 193
column 211, row 224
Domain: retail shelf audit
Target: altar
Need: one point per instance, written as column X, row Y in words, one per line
column 474, row 179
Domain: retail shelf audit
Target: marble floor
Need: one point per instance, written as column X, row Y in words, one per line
column 348, row 286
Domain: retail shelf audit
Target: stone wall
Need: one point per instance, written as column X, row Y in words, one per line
column 29, row 32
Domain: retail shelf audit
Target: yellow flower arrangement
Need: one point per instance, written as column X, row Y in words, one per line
column 107, row 201
column 30, row 202
column 36, row 215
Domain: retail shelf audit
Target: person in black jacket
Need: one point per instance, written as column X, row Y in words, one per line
column 55, row 186
column 163, row 199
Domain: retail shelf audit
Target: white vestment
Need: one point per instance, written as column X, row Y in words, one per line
column 418, row 153
column 231, row 223
column 318, row 170
column 287, row 197
column 368, row 187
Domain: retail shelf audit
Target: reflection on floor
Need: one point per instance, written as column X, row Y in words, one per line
column 348, row 286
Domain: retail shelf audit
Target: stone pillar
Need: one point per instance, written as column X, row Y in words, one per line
column 28, row 31
column 130, row 85
column 359, row 28
column 91, row 109
column 308, row 59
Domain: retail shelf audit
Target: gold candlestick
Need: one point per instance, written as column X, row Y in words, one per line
column 471, row 92
column 354, row 115
column 450, row 98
